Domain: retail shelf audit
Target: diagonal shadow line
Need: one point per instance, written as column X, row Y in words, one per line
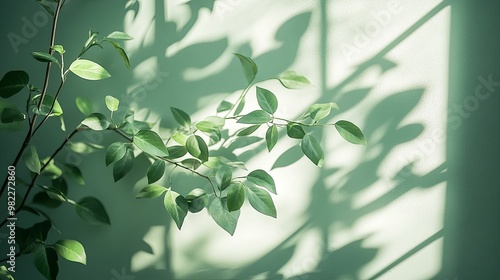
column 374, row 60
column 410, row 253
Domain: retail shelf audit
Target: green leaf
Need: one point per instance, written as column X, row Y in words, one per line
column 197, row 147
column 177, row 206
column 151, row 191
column 261, row 201
column 250, row 69
column 115, row 152
column 84, row 105
column 51, row 170
column 223, row 177
column 150, row 142
column 248, row 130
column 58, row 48
column 45, row 108
column 191, row 163
column 292, row 80
column 350, row 132
column 96, row 121
column 176, row 151
column 235, row 196
column 180, row 138
column 271, row 137
column 88, row 70
column 44, row 57
column 263, row 179
column 92, row 211
column 112, row 103
column 240, row 107
column 12, row 114
column 46, row 7
column 156, row 171
column 119, row 36
column 46, row 261
column 122, row 53
column 221, row 215
column 74, row 172
column 31, row 159
column 181, row 117
column 4, row 274
column 319, row 111
column 71, row 250
column 255, row 117
column 267, row 100
column 13, row 82
column 312, row 149
column 82, row 147
column 197, row 200
column 295, row 131
column 224, row 106
column 123, row 166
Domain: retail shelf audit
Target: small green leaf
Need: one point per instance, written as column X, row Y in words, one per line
column 319, row 111
column 250, row 69
column 240, row 107
column 223, row 177
column 197, row 147
column 271, row 137
column 58, row 48
column 122, row 53
column 176, row 151
column 115, row 152
column 156, row 171
column 92, row 211
column 312, row 149
column 263, row 179
column 44, row 57
column 197, row 200
column 13, row 82
column 261, row 201
column 82, row 147
column 255, row 117
column 51, row 170
column 119, row 36
column 96, row 121
column 45, row 108
column 267, row 100
column 295, row 131
column 221, row 215
column 88, row 70
column 46, row 7
column 177, row 206
column 224, row 106
column 180, row 138
column 12, row 114
column 207, row 126
column 248, row 130
column 71, row 250
column 150, row 142
column 84, row 105
column 181, row 117
column 151, row 191
column 4, row 274
column 31, row 159
column 123, row 166
column 46, row 261
column 112, row 103
column 235, row 196
column 191, row 163
column 350, row 132
column 74, row 172
column 292, row 80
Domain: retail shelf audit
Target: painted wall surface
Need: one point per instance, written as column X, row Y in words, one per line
column 419, row 77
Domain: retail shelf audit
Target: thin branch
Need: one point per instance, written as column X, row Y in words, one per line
column 29, row 134
column 35, row 177
column 51, row 108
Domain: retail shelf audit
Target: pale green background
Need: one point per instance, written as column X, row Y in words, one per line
column 419, row 202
